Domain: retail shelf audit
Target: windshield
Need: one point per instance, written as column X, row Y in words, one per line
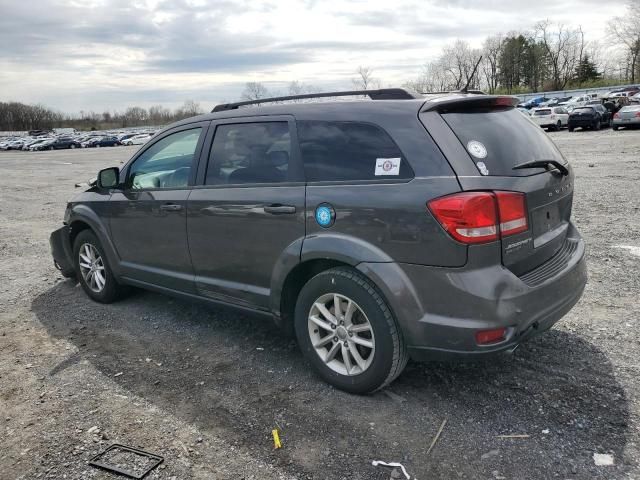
column 500, row 138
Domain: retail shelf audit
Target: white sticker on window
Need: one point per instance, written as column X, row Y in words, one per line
column 483, row 168
column 477, row 149
column 387, row 166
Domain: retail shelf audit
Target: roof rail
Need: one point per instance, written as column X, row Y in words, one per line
column 380, row 94
column 473, row 92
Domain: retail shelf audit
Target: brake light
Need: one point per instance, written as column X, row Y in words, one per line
column 616, row 115
column 637, row 114
column 487, row 337
column 481, row 217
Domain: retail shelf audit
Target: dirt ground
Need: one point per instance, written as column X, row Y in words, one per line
column 204, row 387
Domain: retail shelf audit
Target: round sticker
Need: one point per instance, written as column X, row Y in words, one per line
column 387, row 165
column 325, row 215
column 477, row 149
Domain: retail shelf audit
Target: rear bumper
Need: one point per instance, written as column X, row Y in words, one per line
column 587, row 122
column 451, row 305
column 632, row 122
column 60, row 244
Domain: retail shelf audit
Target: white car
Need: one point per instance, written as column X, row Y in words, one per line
column 551, row 118
column 137, row 140
column 635, row 98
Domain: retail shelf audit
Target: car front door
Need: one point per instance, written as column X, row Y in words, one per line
column 148, row 218
column 247, row 211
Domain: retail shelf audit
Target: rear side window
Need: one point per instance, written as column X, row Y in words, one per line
column 349, row 151
column 500, row 138
column 250, row 153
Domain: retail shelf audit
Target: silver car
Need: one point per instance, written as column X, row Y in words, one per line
column 626, row 117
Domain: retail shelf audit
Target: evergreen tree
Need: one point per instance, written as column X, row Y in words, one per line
column 586, row 70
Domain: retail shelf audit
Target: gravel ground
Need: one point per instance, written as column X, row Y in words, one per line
column 204, row 387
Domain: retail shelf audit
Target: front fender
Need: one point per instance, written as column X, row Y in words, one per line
column 84, row 213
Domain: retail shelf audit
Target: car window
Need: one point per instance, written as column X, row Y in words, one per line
column 244, row 153
column 349, row 151
column 543, row 112
column 583, row 110
column 166, row 163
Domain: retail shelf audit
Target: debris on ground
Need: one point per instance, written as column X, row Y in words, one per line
column 394, row 465
column 603, row 459
column 435, row 439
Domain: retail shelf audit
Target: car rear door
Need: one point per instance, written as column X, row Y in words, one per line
column 148, row 215
column 484, row 140
column 247, row 212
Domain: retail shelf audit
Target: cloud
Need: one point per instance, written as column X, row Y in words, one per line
column 106, row 54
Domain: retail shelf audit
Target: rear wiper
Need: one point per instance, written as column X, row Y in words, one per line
column 543, row 164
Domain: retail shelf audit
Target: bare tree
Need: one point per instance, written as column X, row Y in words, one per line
column 365, row 79
column 491, row 50
column 563, row 49
column 625, row 31
column 459, row 60
column 254, row 91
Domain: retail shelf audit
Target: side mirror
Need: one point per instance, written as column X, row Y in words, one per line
column 108, row 178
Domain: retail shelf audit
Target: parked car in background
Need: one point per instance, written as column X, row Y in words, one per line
column 592, row 116
column 59, row 144
column 627, row 117
column 533, row 102
column 137, row 139
column 97, row 142
column 524, row 111
column 552, row 118
column 35, row 146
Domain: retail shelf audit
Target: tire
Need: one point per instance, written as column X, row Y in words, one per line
column 615, row 128
column 371, row 315
column 596, row 125
column 558, row 126
column 110, row 290
column 97, row 145
column 72, row 146
column 51, row 149
column 571, row 129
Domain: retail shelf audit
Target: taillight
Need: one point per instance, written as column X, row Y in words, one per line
column 637, row 114
column 512, row 211
column 480, row 217
column 616, row 115
column 469, row 217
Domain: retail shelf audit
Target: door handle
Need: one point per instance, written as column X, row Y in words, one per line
column 171, row 207
column 277, row 209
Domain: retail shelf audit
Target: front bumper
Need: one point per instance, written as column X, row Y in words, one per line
column 454, row 303
column 61, row 250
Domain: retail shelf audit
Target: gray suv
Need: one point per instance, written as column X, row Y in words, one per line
column 376, row 229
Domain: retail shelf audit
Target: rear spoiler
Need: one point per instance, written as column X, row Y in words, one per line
column 456, row 101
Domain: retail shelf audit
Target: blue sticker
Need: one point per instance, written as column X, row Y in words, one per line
column 325, row 215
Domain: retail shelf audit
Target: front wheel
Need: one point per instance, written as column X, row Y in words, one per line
column 571, row 129
column 346, row 330
column 72, row 146
column 93, row 270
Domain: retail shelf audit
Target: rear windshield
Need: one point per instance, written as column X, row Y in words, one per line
column 499, row 139
column 583, row 110
column 542, row 112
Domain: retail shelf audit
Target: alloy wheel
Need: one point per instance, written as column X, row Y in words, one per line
column 92, row 267
column 341, row 334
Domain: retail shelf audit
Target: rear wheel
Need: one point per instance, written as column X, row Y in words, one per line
column 570, row 128
column 615, row 127
column 93, row 270
column 346, row 330
column 51, row 148
column 596, row 125
column 72, row 145
column 558, row 126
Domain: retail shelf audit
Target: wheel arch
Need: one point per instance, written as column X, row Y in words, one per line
column 85, row 218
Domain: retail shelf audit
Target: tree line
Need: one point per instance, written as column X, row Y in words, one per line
column 548, row 57
column 16, row 116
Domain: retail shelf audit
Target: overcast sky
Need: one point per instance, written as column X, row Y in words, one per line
column 108, row 54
